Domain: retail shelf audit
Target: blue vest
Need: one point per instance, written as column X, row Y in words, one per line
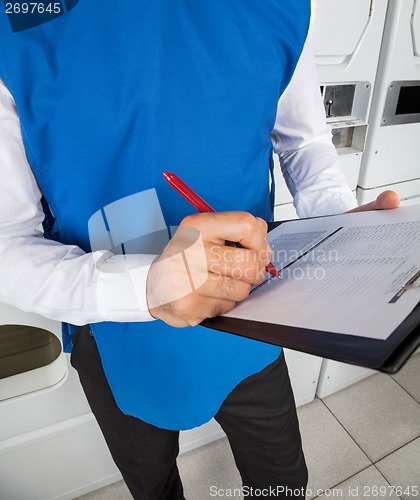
column 109, row 95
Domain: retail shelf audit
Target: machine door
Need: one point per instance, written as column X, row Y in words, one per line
column 337, row 26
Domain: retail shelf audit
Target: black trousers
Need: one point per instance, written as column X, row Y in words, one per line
column 258, row 417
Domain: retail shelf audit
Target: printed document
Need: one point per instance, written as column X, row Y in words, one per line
column 355, row 274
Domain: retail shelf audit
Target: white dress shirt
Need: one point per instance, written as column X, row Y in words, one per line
column 63, row 283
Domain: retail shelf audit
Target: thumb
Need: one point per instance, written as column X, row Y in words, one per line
column 385, row 201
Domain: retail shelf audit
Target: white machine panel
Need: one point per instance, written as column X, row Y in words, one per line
column 393, row 148
column 345, row 21
column 409, row 193
column 10, row 315
column 347, row 38
column 335, row 376
column 304, row 373
column 62, row 461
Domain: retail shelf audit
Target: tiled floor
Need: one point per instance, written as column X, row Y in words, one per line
column 359, row 443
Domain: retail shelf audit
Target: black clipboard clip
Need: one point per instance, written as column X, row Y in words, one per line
column 411, row 283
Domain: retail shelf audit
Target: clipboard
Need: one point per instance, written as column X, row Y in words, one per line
column 383, row 355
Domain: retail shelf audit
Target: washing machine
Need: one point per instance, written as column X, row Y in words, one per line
column 50, row 444
column 392, row 154
column 347, row 36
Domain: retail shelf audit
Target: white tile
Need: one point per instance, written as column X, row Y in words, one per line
column 209, row 466
column 378, row 413
column 402, row 469
column 409, row 377
column 331, row 455
column 116, row 491
column 367, row 484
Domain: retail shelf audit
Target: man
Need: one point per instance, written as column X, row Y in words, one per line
column 95, row 103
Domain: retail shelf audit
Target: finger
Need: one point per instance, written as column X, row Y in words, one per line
column 238, row 263
column 225, row 288
column 192, row 310
column 239, row 227
column 385, row 201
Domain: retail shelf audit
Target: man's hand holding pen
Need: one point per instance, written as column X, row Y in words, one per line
column 198, row 255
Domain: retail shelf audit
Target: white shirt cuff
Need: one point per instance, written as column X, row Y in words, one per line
column 121, row 294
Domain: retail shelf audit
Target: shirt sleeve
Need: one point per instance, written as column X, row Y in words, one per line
column 302, row 139
column 58, row 281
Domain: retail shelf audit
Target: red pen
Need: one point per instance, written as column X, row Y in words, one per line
column 200, row 205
